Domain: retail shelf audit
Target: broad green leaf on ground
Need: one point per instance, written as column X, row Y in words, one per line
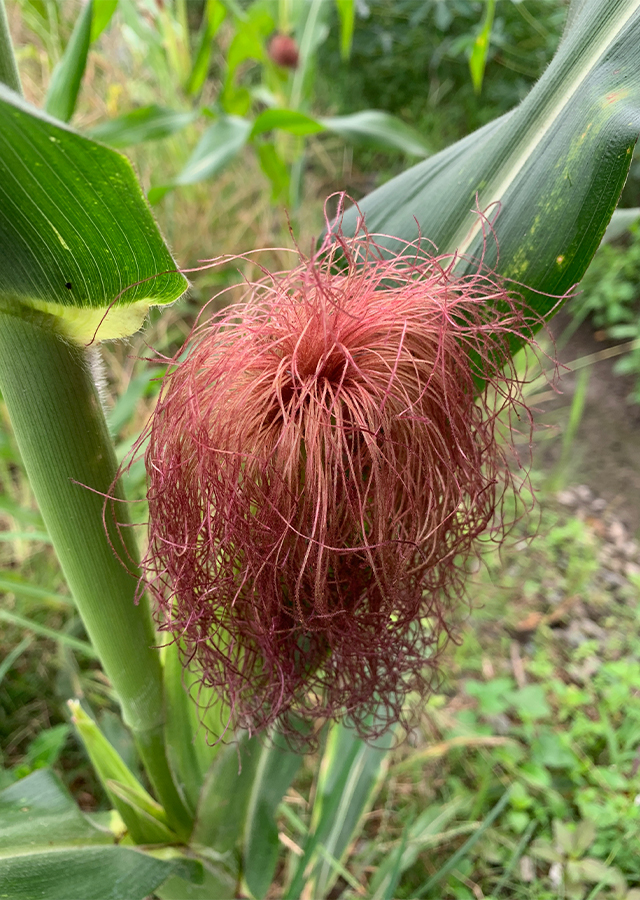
column 377, row 128
column 48, row 849
column 216, row 148
column 64, row 87
column 149, row 123
column 552, row 169
column 77, row 238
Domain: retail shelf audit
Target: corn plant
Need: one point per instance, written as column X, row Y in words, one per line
column 82, row 261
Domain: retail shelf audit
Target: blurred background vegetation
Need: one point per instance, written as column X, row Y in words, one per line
column 543, row 692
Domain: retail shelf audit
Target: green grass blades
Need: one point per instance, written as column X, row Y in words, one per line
column 350, row 773
column 276, row 770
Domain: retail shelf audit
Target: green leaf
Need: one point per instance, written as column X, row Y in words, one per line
column 64, row 86
column 226, row 794
column 16, row 584
column 425, row 831
column 276, row 770
column 217, row 883
column 10, row 536
column 214, row 14
column 350, row 774
column 145, row 819
column 478, row 59
column 82, row 873
column 216, row 148
column 555, row 165
column 376, row 128
column 149, row 123
column 276, row 171
column 139, row 807
column 46, row 747
column 27, row 516
column 49, row 849
column 347, row 14
column 102, row 14
column 182, row 730
column 289, row 120
column 75, row 644
column 76, row 236
column 126, row 404
column 13, row 655
column 35, row 808
column 460, row 854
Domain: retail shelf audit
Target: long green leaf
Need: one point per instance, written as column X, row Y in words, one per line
column 9, row 74
column 64, row 86
column 276, row 770
column 225, row 795
column 285, row 120
column 77, row 238
column 425, row 831
column 555, row 165
column 478, row 59
column 350, row 772
column 460, row 854
column 48, row 849
column 347, row 14
column 189, row 754
column 214, row 14
column 75, row 644
column 102, row 14
column 149, row 123
column 16, row 584
column 377, row 128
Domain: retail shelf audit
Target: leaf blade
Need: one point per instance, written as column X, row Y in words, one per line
column 77, row 238
column 64, row 87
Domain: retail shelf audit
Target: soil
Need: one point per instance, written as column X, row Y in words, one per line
column 605, row 453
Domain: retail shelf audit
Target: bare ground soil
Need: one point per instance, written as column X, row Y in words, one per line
column 605, row 453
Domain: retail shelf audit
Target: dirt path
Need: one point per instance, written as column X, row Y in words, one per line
column 605, row 454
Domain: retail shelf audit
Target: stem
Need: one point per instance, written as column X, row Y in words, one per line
column 8, row 68
column 66, row 449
